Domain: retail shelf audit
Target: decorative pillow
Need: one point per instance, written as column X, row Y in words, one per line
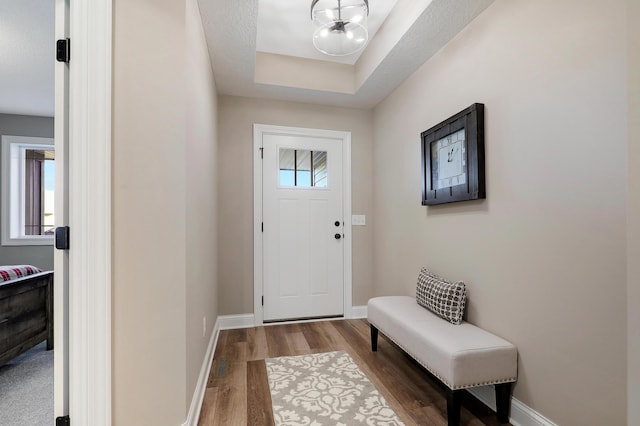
column 16, row 271
column 444, row 298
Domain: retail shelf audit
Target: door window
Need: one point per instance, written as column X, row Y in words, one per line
column 302, row 168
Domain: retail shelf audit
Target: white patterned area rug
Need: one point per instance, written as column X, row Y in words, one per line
column 325, row 389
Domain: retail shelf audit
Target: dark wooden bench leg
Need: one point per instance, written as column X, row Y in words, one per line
column 503, row 399
column 374, row 339
column 453, row 407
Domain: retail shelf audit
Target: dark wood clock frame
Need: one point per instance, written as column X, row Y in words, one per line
column 472, row 121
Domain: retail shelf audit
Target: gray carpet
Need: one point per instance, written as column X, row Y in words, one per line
column 26, row 389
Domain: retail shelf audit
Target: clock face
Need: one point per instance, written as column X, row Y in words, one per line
column 448, row 161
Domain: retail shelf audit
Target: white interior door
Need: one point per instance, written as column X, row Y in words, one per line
column 61, row 257
column 303, row 226
column 82, row 286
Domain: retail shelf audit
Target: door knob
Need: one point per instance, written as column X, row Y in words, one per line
column 337, row 236
column 336, row 223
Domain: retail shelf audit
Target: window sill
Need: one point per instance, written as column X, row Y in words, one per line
column 45, row 241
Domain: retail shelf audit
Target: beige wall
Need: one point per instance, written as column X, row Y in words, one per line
column 633, row 215
column 236, row 117
column 149, row 213
column 202, row 289
column 544, row 256
column 164, row 279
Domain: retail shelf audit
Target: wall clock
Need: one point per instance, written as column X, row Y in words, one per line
column 453, row 158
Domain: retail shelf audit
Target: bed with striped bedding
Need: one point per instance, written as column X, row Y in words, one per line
column 26, row 309
column 12, row 272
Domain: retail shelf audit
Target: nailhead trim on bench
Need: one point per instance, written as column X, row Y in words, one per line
column 496, row 382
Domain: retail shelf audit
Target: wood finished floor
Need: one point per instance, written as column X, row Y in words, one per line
column 238, row 392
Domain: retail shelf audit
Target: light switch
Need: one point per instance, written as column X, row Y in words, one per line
column 358, row 220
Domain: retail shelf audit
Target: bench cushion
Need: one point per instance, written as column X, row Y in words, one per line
column 461, row 356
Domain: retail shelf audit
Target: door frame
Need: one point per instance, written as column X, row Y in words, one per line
column 86, row 307
column 258, row 131
column 61, row 257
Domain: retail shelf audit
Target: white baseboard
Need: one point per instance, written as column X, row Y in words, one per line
column 229, row 322
column 521, row 414
column 201, row 385
column 359, row 312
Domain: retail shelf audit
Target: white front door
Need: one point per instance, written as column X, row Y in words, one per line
column 303, row 226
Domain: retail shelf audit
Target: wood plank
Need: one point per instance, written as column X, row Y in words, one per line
column 231, row 397
column 430, row 415
column 234, row 346
column 297, row 342
column 277, row 341
column 316, row 341
column 219, row 369
column 221, row 344
column 257, row 347
column 237, row 335
column 208, row 410
column 259, row 404
column 333, row 339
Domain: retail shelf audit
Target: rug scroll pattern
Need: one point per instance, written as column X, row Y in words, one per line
column 325, row 389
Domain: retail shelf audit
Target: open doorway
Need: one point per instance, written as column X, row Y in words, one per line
column 27, row 214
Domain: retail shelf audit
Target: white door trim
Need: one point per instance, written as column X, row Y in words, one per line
column 258, row 131
column 90, row 212
column 61, row 258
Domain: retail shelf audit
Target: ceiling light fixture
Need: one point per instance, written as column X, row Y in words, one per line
column 340, row 30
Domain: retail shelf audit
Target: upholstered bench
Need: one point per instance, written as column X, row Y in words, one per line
column 459, row 354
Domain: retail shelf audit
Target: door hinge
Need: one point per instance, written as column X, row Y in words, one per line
column 262, row 223
column 261, row 152
column 63, row 421
column 262, row 300
column 62, row 238
column 63, row 50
